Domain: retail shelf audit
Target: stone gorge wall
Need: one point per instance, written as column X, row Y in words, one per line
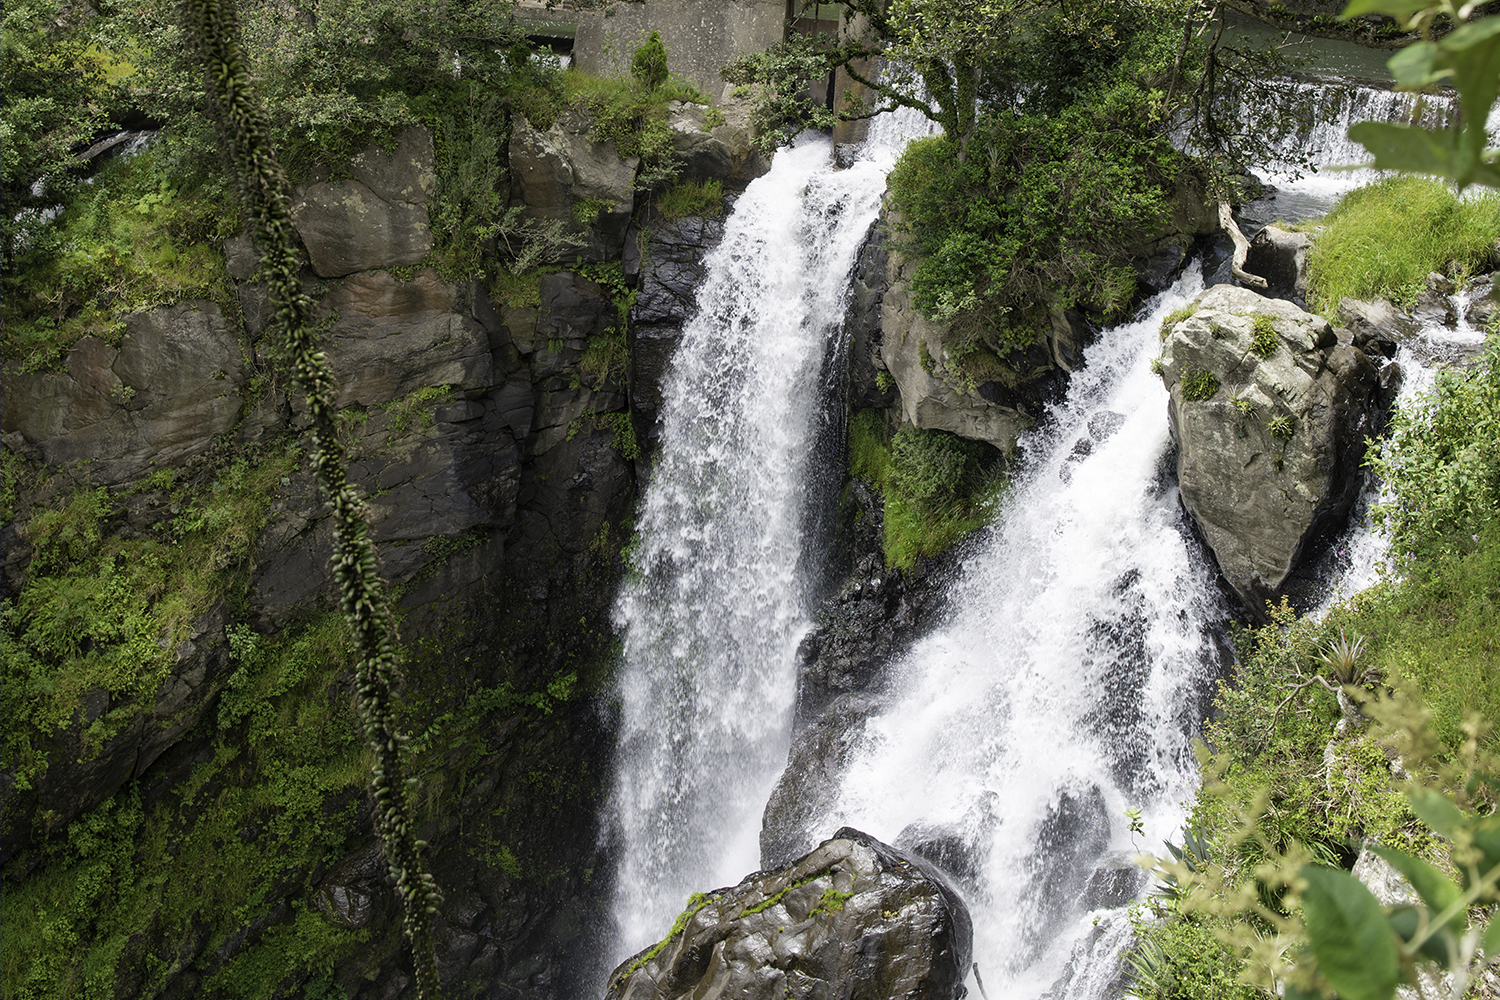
column 501, row 480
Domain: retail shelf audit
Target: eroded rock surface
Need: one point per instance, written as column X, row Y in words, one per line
column 377, row 217
column 562, row 175
column 855, row 919
column 1269, row 444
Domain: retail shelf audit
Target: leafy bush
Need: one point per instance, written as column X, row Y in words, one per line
column 1442, row 462
column 1385, row 238
column 937, row 487
column 1043, row 212
column 649, row 63
column 692, row 198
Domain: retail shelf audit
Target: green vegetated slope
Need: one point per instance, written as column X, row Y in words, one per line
column 1293, row 773
column 204, row 874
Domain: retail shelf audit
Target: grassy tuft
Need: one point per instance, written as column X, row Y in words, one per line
column 1384, row 239
column 692, row 198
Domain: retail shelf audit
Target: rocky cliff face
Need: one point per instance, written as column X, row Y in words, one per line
column 494, row 437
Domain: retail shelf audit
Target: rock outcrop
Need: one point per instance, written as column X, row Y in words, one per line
column 155, row 400
column 1280, row 256
column 561, row 175
column 1269, row 409
column 377, row 217
column 855, row 919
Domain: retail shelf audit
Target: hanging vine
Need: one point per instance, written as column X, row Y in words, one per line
column 211, row 24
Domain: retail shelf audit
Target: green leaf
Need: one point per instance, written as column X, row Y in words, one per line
column 1434, row 808
column 1399, row 9
column 1435, row 888
column 1406, row 147
column 1417, row 65
column 1293, row 992
column 1440, row 946
column 1347, row 929
column 1492, row 939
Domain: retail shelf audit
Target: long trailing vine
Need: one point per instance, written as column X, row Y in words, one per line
column 213, row 28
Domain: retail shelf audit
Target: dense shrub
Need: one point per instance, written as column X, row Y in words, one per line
column 937, row 487
column 1044, row 211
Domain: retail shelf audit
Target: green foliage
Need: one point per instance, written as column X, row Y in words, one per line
column 1174, row 317
column 1042, row 213
column 648, row 65
column 1264, row 340
column 142, row 234
column 692, row 198
column 468, row 207
column 778, row 81
column 1442, row 461
column 130, row 880
column 632, row 118
column 1465, row 58
column 1280, row 427
column 54, row 96
column 1385, row 238
column 98, row 612
column 414, row 406
column 1199, row 385
column 937, row 487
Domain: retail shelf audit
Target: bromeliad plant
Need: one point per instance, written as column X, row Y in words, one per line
column 211, row 24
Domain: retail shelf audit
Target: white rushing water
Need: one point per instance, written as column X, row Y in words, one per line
column 1066, row 684
column 720, row 597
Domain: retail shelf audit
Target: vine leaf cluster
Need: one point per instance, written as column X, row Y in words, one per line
column 212, row 26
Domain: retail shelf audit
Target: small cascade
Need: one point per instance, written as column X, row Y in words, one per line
column 719, row 597
column 1064, row 688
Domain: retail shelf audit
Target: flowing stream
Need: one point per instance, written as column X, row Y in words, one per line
column 725, row 565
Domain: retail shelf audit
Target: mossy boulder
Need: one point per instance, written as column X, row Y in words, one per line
column 855, row 919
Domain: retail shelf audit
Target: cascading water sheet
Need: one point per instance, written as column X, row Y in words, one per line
column 1065, row 686
column 717, row 602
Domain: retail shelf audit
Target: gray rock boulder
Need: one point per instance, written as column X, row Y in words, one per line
column 158, row 398
column 855, row 919
column 1280, row 257
column 562, row 175
column 376, row 218
column 1269, row 443
column 715, row 151
column 1484, row 302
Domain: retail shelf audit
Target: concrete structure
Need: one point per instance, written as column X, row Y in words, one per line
column 700, row 35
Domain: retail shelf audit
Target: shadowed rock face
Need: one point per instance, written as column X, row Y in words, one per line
column 1269, row 440
column 855, row 919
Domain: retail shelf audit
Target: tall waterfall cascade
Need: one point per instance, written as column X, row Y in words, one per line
column 1076, row 660
column 719, row 596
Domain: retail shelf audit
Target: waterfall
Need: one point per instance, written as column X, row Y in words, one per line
column 720, row 589
column 1066, row 684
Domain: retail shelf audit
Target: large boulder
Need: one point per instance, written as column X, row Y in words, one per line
column 157, row 399
column 1280, row 256
column 564, row 176
column 375, row 218
column 1270, row 412
column 855, row 919
column 715, row 150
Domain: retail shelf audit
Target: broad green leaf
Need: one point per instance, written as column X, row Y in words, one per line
column 1440, row 946
column 1435, row 888
column 1354, row 945
column 1492, row 939
column 1406, row 147
column 1434, row 808
column 1292, row 992
column 1417, row 65
column 1399, row 9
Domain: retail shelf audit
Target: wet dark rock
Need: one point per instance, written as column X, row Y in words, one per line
column 816, row 762
column 1280, row 257
column 862, row 324
column 1484, row 302
column 945, row 847
column 1115, row 881
column 855, row 919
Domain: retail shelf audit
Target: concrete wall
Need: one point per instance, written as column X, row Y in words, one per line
column 700, row 35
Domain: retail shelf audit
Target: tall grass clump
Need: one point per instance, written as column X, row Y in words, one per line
column 1384, row 239
column 937, row 487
